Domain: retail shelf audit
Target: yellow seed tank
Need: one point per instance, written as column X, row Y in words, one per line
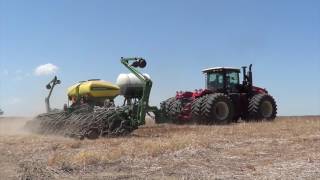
column 94, row 89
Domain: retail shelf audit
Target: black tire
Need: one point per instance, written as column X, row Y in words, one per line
column 262, row 107
column 196, row 110
column 236, row 119
column 169, row 103
column 165, row 107
column 217, row 109
column 175, row 110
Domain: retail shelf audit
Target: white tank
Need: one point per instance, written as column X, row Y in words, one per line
column 130, row 85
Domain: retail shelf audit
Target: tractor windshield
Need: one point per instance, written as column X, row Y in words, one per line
column 215, row 80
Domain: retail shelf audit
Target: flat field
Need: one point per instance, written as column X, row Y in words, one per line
column 288, row 148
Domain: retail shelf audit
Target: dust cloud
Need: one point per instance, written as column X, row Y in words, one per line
column 13, row 125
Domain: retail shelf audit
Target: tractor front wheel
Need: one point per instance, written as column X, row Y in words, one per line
column 262, row 106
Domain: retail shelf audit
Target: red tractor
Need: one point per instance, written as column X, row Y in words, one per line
column 224, row 100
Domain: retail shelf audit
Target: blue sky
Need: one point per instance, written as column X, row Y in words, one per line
column 85, row 39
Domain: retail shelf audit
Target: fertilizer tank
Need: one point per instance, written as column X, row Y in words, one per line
column 130, row 85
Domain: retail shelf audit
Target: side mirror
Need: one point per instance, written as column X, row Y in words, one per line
column 48, row 86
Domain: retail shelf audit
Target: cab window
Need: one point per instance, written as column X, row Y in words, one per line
column 215, row 80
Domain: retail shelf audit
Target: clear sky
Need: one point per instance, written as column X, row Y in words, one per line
column 85, row 39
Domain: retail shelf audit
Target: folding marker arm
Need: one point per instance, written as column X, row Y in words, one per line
column 50, row 87
column 143, row 104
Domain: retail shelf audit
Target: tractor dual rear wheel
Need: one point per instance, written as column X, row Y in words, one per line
column 217, row 109
column 165, row 108
column 196, row 110
column 165, row 105
column 174, row 111
column 262, row 106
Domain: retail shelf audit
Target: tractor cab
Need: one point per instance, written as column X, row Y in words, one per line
column 222, row 79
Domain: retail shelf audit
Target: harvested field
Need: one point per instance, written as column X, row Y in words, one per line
column 288, row 148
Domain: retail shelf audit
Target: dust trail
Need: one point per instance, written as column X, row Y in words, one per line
column 13, row 125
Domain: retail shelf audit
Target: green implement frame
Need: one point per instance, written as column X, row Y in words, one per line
column 143, row 105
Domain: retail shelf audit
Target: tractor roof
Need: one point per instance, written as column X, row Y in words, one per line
column 220, row 69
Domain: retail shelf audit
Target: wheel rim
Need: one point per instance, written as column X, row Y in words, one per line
column 266, row 109
column 221, row 110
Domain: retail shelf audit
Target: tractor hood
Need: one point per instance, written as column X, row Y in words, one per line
column 259, row 90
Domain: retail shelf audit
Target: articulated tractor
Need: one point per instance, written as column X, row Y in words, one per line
column 224, row 100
